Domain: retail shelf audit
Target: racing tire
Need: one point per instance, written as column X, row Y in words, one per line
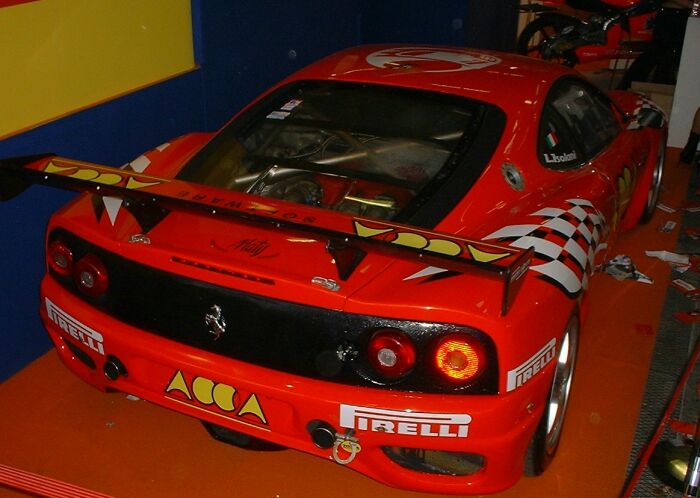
column 545, row 440
column 653, row 193
column 540, row 29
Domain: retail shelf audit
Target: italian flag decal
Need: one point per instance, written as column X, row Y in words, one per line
column 551, row 138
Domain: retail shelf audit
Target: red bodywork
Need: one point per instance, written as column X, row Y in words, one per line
column 521, row 313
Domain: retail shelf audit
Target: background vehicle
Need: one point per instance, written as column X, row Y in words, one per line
column 614, row 29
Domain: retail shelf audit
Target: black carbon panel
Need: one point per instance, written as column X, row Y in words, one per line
column 299, row 339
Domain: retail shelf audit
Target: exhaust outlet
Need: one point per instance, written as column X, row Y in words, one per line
column 114, row 368
column 322, row 433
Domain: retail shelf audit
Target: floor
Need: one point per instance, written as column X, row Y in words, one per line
column 54, row 425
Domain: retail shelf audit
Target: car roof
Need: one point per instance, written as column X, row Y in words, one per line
column 499, row 78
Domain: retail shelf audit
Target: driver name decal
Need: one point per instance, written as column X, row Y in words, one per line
column 560, row 158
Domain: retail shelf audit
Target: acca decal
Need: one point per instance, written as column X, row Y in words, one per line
column 209, row 396
column 406, row 423
column 443, row 60
column 77, row 330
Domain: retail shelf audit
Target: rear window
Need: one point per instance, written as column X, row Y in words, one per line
column 368, row 150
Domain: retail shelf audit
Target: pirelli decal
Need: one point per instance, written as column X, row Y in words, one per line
column 99, row 175
column 426, row 241
column 527, row 370
column 407, row 423
column 74, row 328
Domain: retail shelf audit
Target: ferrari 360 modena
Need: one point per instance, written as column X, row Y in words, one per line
column 383, row 261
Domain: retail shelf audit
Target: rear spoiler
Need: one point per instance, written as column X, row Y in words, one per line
column 348, row 237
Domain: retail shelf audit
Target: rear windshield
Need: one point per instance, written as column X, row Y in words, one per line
column 367, row 150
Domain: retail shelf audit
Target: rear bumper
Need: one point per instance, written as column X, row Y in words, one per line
column 277, row 407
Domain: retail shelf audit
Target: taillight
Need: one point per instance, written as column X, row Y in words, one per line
column 90, row 275
column 391, row 353
column 459, row 358
column 60, row 258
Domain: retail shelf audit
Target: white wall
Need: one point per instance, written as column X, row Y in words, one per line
column 687, row 96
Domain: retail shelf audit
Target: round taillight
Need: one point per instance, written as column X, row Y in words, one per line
column 90, row 275
column 60, row 258
column 459, row 358
column 391, row 353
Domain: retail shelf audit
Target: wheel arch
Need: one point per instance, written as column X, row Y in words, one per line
column 638, row 211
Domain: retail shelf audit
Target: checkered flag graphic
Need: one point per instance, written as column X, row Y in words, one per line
column 565, row 242
column 644, row 103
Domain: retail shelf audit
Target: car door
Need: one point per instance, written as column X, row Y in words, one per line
column 579, row 129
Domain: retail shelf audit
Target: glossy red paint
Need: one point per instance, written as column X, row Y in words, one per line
column 278, row 249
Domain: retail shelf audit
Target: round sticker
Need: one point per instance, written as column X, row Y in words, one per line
column 432, row 60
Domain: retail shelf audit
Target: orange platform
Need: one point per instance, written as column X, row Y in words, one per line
column 55, row 425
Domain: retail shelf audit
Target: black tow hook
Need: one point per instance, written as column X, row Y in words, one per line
column 345, row 447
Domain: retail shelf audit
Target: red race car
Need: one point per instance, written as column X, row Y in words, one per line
column 358, row 265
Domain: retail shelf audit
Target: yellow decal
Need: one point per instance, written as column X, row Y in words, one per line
column 203, row 390
column 364, row 231
column 624, row 181
column 444, row 247
column 223, row 397
column 434, row 245
column 209, row 393
column 134, row 184
column 85, row 174
column 348, row 446
column 252, row 406
column 411, row 240
column 624, row 193
column 52, row 168
column 88, row 174
column 108, row 179
column 178, row 384
column 483, row 256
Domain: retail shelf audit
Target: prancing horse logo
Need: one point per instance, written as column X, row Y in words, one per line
column 215, row 321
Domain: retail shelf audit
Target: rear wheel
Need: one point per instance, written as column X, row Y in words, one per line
column 537, row 32
column 653, row 194
column 545, row 441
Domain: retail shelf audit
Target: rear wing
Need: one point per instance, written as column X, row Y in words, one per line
column 349, row 238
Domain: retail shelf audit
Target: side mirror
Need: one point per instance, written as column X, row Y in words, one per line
column 651, row 117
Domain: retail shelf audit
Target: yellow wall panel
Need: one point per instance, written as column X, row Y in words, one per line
column 58, row 56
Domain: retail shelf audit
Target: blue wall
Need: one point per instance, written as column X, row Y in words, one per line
column 242, row 47
column 402, row 21
column 112, row 133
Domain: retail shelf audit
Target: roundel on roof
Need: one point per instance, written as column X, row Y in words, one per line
column 432, row 60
